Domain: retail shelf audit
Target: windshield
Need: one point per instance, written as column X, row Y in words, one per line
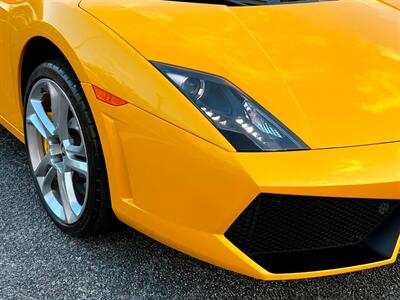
column 247, row 2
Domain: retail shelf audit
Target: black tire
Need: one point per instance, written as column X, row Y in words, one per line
column 97, row 216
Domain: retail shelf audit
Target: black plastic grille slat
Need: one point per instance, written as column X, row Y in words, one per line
column 284, row 223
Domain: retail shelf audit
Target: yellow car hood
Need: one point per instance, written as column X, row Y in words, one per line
column 330, row 71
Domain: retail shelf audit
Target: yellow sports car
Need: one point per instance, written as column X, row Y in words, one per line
column 262, row 136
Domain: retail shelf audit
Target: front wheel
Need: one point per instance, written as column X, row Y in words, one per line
column 65, row 151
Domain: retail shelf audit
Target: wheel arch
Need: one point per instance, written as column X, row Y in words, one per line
column 38, row 49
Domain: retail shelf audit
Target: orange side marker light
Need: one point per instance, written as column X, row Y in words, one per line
column 108, row 98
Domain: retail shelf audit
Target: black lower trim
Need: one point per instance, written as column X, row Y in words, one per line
column 317, row 260
column 290, row 234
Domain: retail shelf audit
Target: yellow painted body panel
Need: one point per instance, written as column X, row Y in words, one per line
column 212, row 186
column 320, row 68
column 10, row 115
column 172, row 175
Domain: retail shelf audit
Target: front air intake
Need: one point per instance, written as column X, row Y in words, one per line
column 287, row 234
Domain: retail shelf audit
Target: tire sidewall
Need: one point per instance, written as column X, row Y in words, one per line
column 73, row 90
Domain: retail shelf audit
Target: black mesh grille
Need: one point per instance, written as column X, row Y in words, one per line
column 287, row 224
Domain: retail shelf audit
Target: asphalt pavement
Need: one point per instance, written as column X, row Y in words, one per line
column 38, row 261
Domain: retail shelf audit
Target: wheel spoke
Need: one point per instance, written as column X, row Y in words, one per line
column 44, row 165
column 54, row 204
column 70, row 217
column 46, row 185
column 60, row 110
column 73, row 124
column 40, row 120
column 71, row 192
column 35, row 122
column 73, row 150
column 76, row 165
column 50, row 196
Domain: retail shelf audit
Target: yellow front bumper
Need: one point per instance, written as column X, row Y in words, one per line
column 186, row 192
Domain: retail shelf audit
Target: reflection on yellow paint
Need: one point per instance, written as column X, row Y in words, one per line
column 385, row 83
column 350, row 166
column 390, row 53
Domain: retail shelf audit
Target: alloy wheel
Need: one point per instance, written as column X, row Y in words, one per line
column 57, row 150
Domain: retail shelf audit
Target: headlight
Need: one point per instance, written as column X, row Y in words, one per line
column 246, row 125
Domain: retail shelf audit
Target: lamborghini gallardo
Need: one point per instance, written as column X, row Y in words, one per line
column 262, row 136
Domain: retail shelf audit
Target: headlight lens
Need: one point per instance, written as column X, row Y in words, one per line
column 246, row 125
